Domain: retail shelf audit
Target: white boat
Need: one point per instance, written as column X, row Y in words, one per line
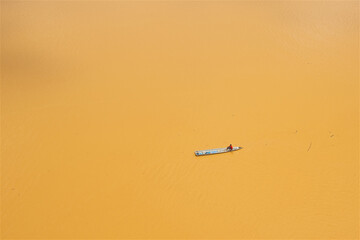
column 216, row 151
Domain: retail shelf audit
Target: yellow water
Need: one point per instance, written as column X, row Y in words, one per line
column 104, row 104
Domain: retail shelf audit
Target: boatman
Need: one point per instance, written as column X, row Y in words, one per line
column 230, row 147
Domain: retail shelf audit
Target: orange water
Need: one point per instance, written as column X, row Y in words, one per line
column 104, row 103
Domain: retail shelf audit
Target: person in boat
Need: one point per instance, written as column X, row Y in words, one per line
column 230, row 147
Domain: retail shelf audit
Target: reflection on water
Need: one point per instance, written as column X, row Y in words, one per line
column 104, row 104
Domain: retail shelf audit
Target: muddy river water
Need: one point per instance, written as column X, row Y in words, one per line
column 104, row 103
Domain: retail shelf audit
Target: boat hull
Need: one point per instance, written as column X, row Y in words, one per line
column 215, row 151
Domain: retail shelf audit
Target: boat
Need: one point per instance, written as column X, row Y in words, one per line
column 216, row 151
